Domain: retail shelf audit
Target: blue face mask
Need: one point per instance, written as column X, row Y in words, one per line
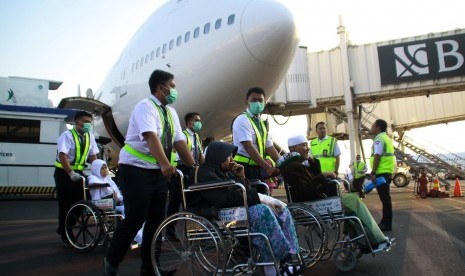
column 171, row 98
column 87, row 127
column 197, row 126
column 256, row 107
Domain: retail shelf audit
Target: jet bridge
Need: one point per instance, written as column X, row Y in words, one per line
column 410, row 82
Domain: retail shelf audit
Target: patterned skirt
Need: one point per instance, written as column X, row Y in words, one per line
column 279, row 229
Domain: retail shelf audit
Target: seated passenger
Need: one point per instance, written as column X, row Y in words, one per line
column 100, row 176
column 267, row 215
column 307, row 183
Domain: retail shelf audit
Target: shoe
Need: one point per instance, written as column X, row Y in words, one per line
column 108, row 269
column 384, row 227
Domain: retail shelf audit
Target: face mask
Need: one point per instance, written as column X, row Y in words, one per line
column 86, row 128
column 256, row 107
column 197, row 126
column 171, row 98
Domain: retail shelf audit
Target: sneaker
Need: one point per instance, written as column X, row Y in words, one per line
column 108, row 269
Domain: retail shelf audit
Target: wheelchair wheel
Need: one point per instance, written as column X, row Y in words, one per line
column 197, row 249
column 310, row 232
column 345, row 259
column 83, row 226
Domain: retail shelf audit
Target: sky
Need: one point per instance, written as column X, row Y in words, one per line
column 78, row 41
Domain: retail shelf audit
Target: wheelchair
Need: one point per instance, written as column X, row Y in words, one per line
column 321, row 232
column 209, row 246
column 90, row 223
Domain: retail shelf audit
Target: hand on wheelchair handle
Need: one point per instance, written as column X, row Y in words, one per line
column 74, row 176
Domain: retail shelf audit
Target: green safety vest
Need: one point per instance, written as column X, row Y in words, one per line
column 358, row 169
column 261, row 142
column 147, row 156
column 324, row 152
column 81, row 156
column 190, row 146
column 388, row 160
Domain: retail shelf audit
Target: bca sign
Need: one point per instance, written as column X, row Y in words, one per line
column 423, row 59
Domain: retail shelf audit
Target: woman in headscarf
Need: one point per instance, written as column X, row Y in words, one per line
column 100, row 175
column 267, row 215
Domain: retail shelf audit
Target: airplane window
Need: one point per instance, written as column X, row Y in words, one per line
column 206, row 28
column 137, row 64
column 141, row 61
column 178, row 41
column 196, row 32
column 218, row 24
column 171, row 44
column 146, row 58
column 158, row 51
column 187, row 36
column 231, row 19
column 152, row 54
column 132, row 69
column 164, row 48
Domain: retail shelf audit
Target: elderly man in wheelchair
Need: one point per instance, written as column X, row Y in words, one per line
column 305, row 182
column 265, row 232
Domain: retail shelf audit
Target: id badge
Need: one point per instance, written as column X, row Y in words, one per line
column 325, row 152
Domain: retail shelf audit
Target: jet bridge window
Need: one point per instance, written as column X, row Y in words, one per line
column 196, row 32
column 231, row 19
column 19, row 130
column 206, row 28
column 187, row 36
column 178, row 41
column 218, row 24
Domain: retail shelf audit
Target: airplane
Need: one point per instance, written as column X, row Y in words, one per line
column 216, row 51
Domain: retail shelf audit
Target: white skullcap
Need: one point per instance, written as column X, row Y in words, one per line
column 295, row 140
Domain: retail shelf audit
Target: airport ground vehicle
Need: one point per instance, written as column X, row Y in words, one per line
column 209, row 246
column 401, row 177
column 328, row 241
column 90, row 223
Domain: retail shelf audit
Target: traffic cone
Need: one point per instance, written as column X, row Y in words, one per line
column 457, row 189
column 436, row 184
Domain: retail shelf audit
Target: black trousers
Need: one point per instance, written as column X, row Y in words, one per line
column 385, row 197
column 253, row 172
column 68, row 192
column 144, row 194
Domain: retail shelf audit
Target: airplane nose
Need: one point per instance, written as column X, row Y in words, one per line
column 269, row 32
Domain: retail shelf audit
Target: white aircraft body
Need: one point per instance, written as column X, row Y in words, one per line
column 216, row 51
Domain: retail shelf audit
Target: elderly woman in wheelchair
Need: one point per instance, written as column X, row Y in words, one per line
column 271, row 229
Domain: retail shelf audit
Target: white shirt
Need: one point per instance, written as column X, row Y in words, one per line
column 243, row 131
column 67, row 146
column 192, row 137
column 143, row 119
column 337, row 151
column 378, row 145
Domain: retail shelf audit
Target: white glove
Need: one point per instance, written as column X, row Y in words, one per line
column 74, row 176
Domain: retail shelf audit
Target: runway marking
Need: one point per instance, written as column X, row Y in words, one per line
column 31, row 221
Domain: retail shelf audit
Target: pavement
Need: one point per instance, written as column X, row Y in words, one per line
column 429, row 240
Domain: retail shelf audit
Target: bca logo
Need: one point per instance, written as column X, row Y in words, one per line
column 413, row 59
column 427, row 59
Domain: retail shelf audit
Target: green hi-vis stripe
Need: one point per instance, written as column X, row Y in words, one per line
column 27, row 190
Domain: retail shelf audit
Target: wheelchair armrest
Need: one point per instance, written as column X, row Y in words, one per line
column 97, row 186
column 210, row 185
column 260, row 186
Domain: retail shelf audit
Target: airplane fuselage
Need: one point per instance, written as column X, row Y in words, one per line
column 216, row 50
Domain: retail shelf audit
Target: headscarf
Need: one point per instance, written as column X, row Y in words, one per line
column 218, row 152
column 97, row 178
